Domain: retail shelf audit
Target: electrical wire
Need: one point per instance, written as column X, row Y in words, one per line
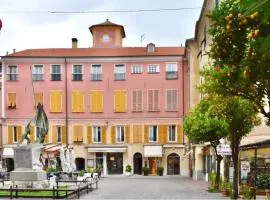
column 100, row 11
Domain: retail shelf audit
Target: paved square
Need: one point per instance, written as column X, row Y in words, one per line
column 151, row 187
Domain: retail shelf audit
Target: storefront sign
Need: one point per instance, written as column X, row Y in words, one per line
column 224, row 150
column 152, row 151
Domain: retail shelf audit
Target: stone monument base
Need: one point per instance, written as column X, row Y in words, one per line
column 28, row 169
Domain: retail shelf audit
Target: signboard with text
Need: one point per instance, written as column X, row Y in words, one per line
column 224, row 150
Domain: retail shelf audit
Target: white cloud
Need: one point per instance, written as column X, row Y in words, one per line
column 44, row 30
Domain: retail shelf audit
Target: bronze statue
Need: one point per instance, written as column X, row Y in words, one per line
column 42, row 124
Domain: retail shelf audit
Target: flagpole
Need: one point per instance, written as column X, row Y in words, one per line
column 34, row 96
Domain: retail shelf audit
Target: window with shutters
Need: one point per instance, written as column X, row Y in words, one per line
column 153, row 134
column 171, row 71
column 96, row 73
column 153, row 69
column 12, row 73
column 120, row 134
column 136, row 69
column 77, row 133
column 153, row 100
column 96, row 101
column 11, row 100
column 56, row 72
column 15, row 134
column 58, row 134
column 39, row 98
column 120, row 101
column 77, row 101
column 137, row 100
column 172, row 133
column 38, row 73
column 56, row 101
column 96, row 134
column 119, row 72
column 77, row 73
column 172, row 100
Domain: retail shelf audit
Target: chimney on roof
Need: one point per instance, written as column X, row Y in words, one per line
column 14, row 50
column 74, row 43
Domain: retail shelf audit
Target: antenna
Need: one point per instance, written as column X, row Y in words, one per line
column 142, row 38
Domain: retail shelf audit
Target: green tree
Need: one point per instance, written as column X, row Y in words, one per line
column 240, row 51
column 205, row 125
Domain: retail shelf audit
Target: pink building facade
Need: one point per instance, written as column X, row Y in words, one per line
column 113, row 105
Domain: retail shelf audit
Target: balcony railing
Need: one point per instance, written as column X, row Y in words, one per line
column 37, row 77
column 171, row 75
column 96, row 77
column 77, row 77
column 56, row 77
column 119, row 76
column 12, row 77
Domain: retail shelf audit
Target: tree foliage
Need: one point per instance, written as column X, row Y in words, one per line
column 240, row 52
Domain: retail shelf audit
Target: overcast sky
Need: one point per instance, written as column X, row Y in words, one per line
column 29, row 24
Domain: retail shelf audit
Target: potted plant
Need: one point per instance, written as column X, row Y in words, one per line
column 160, row 170
column 128, row 170
column 98, row 171
column 225, row 188
column 247, row 192
column 145, row 171
column 81, row 176
column 89, row 172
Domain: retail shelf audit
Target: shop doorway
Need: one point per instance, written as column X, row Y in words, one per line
column 153, row 166
column 10, row 164
column 80, row 163
column 137, row 163
column 115, row 163
column 173, row 164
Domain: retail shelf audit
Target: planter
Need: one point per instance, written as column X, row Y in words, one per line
column 87, row 175
column 80, row 178
column 145, row 173
column 128, row 173
column 160, row 173
column 225, row 192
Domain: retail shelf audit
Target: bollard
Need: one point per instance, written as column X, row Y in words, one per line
column 10, row 192
column 16, row 192
column 53, row 193
column 79, row 192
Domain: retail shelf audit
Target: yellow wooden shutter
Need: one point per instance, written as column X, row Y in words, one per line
column 80, row 133
column 146, row 136
column 179, row 134
column 120, row 101
column 11, row 100
column 77, row 133
column 77, row 101
column 39, row 98
column 54, row 134
column 19, row 129
column 32, row 134
column 89, row 134
column 113, row 134
column 46, row 141
column 96, row 101
column 64, row 135
column 103, row 136
column 137, row 133
column 56, row 101
column 127, row 134
column 123, row 101
column 10, row 135
column 160, row 134
column 116, row 101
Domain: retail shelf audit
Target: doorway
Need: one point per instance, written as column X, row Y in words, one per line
column 173, row 164
column 137, row 163
column 153, row 166
column 80, row 163
column 10, row 164
column 115, row 163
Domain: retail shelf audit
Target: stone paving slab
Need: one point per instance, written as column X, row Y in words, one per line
column 151, row 187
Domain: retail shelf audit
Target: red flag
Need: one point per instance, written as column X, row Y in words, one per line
column 0, row 24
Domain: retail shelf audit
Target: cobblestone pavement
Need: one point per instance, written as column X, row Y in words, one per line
column 151, row 187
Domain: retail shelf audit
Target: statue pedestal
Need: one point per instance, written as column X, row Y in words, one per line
column 28, row 169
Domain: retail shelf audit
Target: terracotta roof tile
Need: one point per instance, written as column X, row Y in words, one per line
column 98, row 52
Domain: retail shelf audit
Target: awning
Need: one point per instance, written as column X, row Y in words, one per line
column 107, row 149
column 152, row 151
column 8, row 153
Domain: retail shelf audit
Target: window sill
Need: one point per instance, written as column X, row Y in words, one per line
column 171, row 110
column 56, row 111
column 120, row 142
column 56, row 80
column 120, row 111
column 153, row 110
column 77, row 80
column 153, row 72
column 137, row 111
column 171, row 79
column 39, row 80
column 119, row 79
column 96, row 111
column 96, row 80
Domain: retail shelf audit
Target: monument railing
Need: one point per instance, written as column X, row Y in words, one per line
column 57, row 192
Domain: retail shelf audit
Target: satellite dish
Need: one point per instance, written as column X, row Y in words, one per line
column 0, row 24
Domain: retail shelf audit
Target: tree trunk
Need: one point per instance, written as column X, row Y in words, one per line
column 235, row 152
column 219, row 159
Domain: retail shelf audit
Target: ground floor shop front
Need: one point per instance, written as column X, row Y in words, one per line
column 114, row 159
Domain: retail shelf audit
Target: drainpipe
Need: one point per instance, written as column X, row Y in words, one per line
column 66, row 101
